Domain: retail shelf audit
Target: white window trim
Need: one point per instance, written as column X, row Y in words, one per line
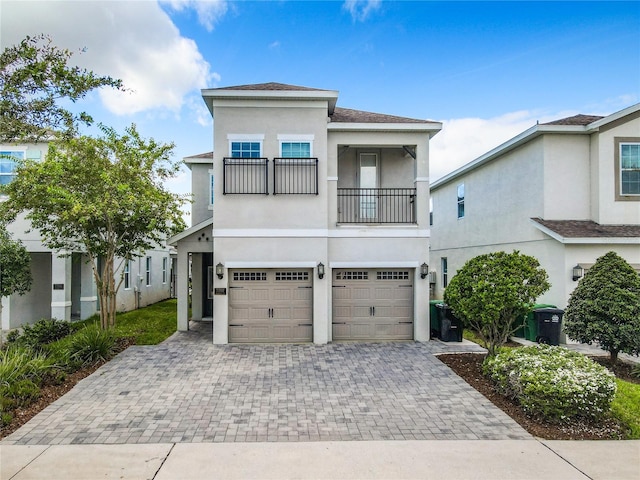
column 147, row 270
column 296, row 138
column 127, row 274
column 165, row 264
column 251, row 137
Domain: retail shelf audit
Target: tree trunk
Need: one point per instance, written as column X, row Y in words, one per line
column 613, row 356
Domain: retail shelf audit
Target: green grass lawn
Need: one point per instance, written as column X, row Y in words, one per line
column 626, row 406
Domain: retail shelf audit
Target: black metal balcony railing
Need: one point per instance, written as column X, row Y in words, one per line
column 246, row 175
column 295, row 176
column 376, row 205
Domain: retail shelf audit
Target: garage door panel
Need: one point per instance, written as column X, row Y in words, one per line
column 373, row 305
column 270, row 306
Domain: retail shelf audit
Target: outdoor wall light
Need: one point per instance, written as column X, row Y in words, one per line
column 320, row 270
column 424, row 271
column 578, row 272
column 220, row 270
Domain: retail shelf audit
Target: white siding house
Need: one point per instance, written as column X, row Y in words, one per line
column 317, row 225
column 63, row 286
column 565, row 192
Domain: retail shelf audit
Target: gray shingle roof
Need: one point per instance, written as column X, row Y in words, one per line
column 272, row 86
column 575, row 120
column 347, row 115
column 588, row 229
column 201, row 155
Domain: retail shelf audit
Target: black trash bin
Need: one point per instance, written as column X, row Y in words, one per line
column 450, row 327
column 549, row 323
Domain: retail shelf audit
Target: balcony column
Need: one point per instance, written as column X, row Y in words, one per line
column 422, row 185
column 61, row 288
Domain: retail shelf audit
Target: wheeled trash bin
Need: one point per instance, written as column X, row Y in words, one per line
column 549, row 325
column 450, row 327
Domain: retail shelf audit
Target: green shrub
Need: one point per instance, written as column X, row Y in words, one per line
column 92, row 345
column 43, row 332
column 635, row 371
column 21, row 372
column 553, row 382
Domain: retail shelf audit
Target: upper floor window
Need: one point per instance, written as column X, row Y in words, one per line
column 246, row 149
column 461, row 200
column 8, row 163
column 295, row 172
column 295, row 149
column 630, row 168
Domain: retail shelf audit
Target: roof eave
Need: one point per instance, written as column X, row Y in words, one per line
column 613, row 117
column 432, row 127
column 210, row 94
column 511, row 144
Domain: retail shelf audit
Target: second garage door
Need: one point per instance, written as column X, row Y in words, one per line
column 270, row 306
column 370, row 305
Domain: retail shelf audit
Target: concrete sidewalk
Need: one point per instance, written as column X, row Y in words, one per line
column 428, row 459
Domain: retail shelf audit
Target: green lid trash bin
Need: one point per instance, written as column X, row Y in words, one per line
column 531, row 324
column 434, row 318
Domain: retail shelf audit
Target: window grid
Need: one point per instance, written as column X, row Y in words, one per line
column 404, row 275
column 8, row 163
column 295, row 149
column 292, row 276
column 250, row 276
column 352, row 275
column 630, row 168
column 246, row 149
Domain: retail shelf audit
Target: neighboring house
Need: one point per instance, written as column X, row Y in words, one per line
column 320, row 226
column 63, row 286
column 565, row 192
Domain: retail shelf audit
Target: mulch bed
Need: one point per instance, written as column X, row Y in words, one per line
column 469, row 367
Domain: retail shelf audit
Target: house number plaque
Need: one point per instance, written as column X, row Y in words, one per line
column 219, row 291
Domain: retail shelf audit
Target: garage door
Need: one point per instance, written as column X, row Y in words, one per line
column 270, row 306
column 370, row 305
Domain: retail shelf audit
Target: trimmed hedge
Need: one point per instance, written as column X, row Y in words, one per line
column 553, row 382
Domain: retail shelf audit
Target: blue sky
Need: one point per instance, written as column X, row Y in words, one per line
column 487, row 70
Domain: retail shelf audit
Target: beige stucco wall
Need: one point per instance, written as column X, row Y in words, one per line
column 271, row 120
column 605, row 207
column 200, row 206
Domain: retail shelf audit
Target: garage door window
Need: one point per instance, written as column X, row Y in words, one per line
column 292, row 276
column 249, row 276
column 352, row 275
column 392, row 275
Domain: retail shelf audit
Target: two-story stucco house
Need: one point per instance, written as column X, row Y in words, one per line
column 311, row 221
column 63, row 285
column 565, row 192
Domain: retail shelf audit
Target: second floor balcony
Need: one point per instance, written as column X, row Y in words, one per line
column 377, row 205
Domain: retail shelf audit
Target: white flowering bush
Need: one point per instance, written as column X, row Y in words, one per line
column 553, row 382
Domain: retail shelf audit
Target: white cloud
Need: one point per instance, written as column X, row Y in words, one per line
column 465, row 139
column 135, row 41
column 209, row 11
column 361, row 9
column 274, row 44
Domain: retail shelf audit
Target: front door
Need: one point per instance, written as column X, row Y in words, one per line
column 207, row 275
column 368, row 185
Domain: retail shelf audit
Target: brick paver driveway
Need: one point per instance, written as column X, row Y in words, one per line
column 188, row 390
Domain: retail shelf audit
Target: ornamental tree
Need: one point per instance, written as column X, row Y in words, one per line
column 605, row 307
column 492, row 292
column 102, row 196
column 35, row 76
